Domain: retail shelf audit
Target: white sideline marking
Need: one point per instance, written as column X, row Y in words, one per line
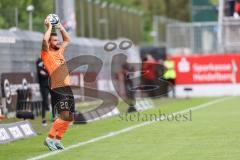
column 112, row 134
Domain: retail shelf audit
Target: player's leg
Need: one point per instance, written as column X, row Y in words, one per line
column 64, row 122
column 50, row 140
column 66, row 117
column 65, row 105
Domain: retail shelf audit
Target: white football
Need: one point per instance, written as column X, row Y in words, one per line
column 54, row 19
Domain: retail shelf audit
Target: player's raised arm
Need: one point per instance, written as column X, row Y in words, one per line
column 65, row 36
column 46, row 35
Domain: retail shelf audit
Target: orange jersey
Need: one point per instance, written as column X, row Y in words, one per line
column 54, row 63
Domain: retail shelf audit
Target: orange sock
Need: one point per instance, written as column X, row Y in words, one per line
column 52, row 132
column 62, row 129
column 59, row 127
column 54, row 129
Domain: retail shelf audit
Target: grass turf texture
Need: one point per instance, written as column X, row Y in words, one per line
column 212, row 134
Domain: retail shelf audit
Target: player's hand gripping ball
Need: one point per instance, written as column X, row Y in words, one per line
column 53, row 19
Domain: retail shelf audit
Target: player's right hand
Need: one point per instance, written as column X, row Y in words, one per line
column 47, row 23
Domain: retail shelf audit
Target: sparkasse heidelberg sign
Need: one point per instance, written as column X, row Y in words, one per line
column 207, row 69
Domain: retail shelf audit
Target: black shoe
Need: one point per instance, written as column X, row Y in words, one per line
column 131, row 109
column 44, row 122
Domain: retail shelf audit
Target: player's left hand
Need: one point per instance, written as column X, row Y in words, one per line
column 59, row 26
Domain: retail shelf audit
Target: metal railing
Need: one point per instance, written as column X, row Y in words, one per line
column 231, row 34
column 192, row 38
column 204, row 37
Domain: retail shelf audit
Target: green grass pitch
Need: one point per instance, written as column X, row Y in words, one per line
column 212, row 134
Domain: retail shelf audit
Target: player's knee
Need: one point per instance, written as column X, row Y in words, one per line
column 70, row 118
column 65, row 116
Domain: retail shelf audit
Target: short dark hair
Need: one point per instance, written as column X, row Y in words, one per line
column 53, row 34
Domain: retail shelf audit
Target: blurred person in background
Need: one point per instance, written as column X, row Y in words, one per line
column 44, row 88
column 231, row 7
column 170, row 75
column 149, row 78
column 237, row 9
column 128, row 71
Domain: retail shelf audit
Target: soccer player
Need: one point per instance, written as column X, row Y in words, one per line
column 62, row 99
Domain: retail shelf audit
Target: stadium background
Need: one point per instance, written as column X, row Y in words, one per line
column 201, row 37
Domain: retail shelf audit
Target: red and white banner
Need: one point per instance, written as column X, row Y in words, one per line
column 207, row 69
